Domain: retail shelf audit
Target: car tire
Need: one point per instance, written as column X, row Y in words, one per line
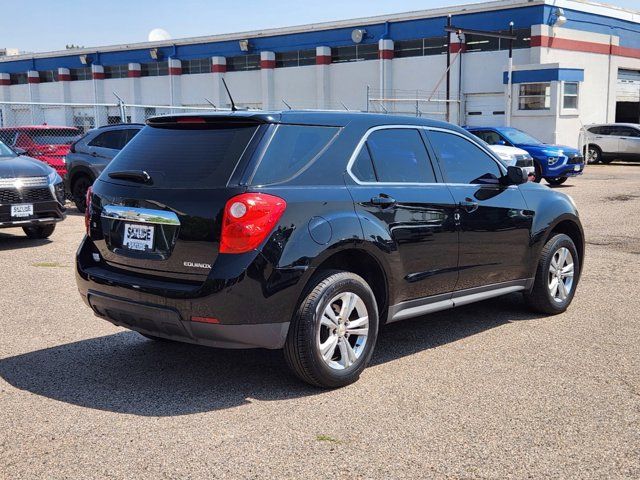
column 544, row 297
column 556, row 181
column 79, row 189
column 538, row 172
column 333, row 331
column 40, row 231
column 594, row 155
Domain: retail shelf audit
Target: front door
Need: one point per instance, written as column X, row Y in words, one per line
column 493, row 219
column 407, row 211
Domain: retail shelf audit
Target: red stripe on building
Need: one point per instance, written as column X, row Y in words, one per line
column 626, row 51
column 133, row 73
column 64, row 77
column 323, row 59
column 5, row 81
column 218, row 68
column 98, row 75
column 457, row 47
column 385, row 54
column 267, row 64
column 573, row 45
column 175, row 71
column 33, row 79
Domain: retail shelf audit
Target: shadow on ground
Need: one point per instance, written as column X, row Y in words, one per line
column 127, row 373
column 17, row 239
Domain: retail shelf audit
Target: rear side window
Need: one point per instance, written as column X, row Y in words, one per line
column 492, row 138
column 399, row 156
column 114, row 139
column 184, row 157
column 292, row 149
column 54, row 136
column 363, row 166
column 463, row 161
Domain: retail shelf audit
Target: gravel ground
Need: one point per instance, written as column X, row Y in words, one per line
column 484, row 391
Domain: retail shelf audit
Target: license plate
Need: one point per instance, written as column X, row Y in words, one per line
column 21, row 211
column 576, row 168
column 138, row 237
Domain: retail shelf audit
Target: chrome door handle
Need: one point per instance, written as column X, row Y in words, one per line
column 383, row 201
column 469, row 205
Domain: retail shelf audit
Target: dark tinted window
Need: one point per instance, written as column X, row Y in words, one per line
column 489, row 136
column 58, row 136
column 625, row 132
column 363, row 166
column 184, row 157
column 114, row 139
column 290, row 151
column 399, row 155
column 463, row 161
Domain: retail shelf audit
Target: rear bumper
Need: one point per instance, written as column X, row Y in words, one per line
column 168, row 323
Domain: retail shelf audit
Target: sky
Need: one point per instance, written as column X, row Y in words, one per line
column 47, row 25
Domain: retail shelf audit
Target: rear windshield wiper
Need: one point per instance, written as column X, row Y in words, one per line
column 139, row 176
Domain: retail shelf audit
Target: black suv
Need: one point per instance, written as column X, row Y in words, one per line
column 309, row 230
column 90, row 154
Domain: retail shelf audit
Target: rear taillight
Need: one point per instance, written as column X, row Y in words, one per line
column 87, row 212
column 248, row 220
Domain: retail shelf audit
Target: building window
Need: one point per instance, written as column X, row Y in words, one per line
column 480, row 43
column 535, row 96
column 17, row 78
column 197, row 65
column 48, row 76
column 83, row 73
column 354, row 53
column 570, row 95
column 116, row 71
column 243, row 63
column 420, row 47
column 297, row 58
column 154, row 69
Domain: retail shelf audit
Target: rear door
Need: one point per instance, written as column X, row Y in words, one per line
column 406, row 210
column 158, row 205
column 493, row 219
column 106, row 145
column 628, row 141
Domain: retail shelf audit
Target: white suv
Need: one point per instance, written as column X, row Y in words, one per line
column 614, row 141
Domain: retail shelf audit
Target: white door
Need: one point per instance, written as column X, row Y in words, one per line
column 485, row 109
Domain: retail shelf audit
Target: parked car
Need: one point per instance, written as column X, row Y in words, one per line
column 515, row 157
column 308, row 230
column 616, row 141
column 554, row 163
column 43, row 142
column 89, row 155
column 31, row 194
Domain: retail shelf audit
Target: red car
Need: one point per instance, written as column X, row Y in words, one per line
column 44, row 142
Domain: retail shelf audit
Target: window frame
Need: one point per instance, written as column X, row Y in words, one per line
column 564, row 95
column 545, row 96
column 423, row 130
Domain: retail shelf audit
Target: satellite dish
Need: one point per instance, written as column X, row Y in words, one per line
column 358, row 35
column 158, row 35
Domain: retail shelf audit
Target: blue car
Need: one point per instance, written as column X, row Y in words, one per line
column 554, row 163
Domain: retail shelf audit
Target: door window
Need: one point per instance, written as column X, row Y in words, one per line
column 489, row 136
column 399, row 156
column 463, row 161
column 625, row 132
column 113, row 139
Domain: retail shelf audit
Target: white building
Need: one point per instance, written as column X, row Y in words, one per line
column 574, row 63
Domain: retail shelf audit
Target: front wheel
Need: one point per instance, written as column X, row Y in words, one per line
column 39, row 232
column 556, row 276
column 556, row 181
column 334, row 330
column 538, row 173
column 79, row 192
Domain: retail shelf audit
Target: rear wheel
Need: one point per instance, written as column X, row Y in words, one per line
column 79, row 192
column 594, row 154
column 334, row 330
column 556, row 181
column 556, row 276
column 40, row 231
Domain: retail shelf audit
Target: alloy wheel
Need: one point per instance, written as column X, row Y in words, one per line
column 561, row 271
column 342, row 331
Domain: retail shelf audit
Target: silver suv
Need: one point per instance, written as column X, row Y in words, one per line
column 615, row 141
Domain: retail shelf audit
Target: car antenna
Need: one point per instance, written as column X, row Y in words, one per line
column 288, row 106
column 233, row 105
column 211, row 103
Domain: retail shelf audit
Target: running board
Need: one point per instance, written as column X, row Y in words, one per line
column 416, row 308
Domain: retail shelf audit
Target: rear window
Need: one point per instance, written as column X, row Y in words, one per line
column 58, row 136
column 291, row 151
column 184, row 157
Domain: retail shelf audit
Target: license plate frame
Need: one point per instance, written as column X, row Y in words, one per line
column 138, row 237
column 22, row 210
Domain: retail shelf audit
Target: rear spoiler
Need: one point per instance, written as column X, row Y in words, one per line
column 211, row 120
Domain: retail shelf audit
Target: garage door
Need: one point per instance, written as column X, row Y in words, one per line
column 485, row 110
column 628, row 96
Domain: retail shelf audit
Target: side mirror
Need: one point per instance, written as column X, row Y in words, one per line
column 515, row 176
column 19, row 151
